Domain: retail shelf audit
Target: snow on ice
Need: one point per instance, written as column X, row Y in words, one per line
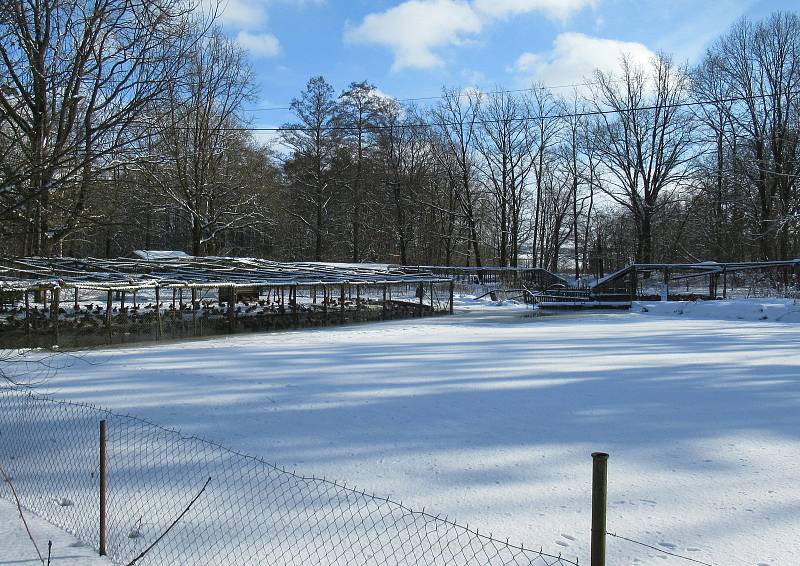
column 490, row 417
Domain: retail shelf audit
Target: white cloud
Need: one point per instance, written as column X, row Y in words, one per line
column 413, row 29
column 557, row 9
column 246, row 14
column 259, row 44
column 575, row 56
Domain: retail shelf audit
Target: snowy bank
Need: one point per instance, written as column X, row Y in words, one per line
column 773, row 310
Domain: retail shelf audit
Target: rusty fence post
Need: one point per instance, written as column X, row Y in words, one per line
column 102, row 487
column 599, row 506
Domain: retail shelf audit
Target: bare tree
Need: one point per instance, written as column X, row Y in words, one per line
column 541, row 108
column 644, row 139
column 313, row 143
column 75, row 78
column 357, row 112
column 505, row 146
column 205, row 152
column 759, row 65
column 455, row 121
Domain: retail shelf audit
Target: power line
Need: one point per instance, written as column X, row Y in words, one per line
column 440, row 96
column 559, row 116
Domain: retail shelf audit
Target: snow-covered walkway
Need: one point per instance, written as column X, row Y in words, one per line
column 490, row 417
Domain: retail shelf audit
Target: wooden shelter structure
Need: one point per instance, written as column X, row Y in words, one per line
column 70, row 301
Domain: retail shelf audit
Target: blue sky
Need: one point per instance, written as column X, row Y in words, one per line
column 412, row 48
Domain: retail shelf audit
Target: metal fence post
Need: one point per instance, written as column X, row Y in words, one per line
column 102, row 487
column 599, row 504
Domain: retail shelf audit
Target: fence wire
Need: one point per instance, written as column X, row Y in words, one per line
column 251, row 512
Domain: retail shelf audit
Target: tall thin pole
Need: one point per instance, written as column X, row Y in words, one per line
column 452, row 285
column 102, row 487
column 158, row 312
column 599, row 505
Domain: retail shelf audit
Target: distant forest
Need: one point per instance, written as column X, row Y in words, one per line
column 122, row 126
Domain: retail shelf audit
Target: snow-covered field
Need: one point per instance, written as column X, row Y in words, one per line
column 16, row 547
column 490, row 417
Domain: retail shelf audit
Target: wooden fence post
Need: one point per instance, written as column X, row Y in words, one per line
column 55, row 306
column 295, row 307
column 158, row 311
column 103, row 487
column 452, row 285
column 599, row 505
column 325, row 304
column 109, row 306
column 27, row 312
column 232, row 309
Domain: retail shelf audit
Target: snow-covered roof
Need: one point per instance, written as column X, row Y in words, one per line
column 158, row 254
column 190, row 271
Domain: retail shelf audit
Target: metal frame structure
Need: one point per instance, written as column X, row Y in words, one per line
column 20, row 274
column 48, row 301
column 626, row 282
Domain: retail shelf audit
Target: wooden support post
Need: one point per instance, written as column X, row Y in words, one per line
column 75, row 297
column 232, row 310
column 103, row 486
column 383, row 312
column 325, row 304
column 54, row 314
column 452, row 286
column 431, row 289
column 158, row 312
column 194, row 310
column 599, row 506
column 341, row 304
column 134, row 299
column 27, row 312
column 724, row 283
column 295, row 313
column 122, row 301
column 314, row 294
column 109, row 307
column 358, row 301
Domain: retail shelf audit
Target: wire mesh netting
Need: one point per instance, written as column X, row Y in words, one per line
column 250, row 512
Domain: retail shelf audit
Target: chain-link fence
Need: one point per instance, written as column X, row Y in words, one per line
column 250, row 512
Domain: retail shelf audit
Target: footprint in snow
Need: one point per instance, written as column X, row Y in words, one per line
column 568, row 537
column 668, row 545
column 561, row 543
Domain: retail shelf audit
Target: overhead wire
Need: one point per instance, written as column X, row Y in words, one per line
column 485, row 121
